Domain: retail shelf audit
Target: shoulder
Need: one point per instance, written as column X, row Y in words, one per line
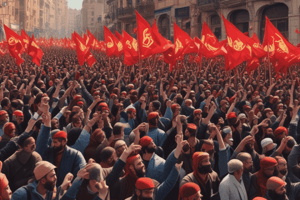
column 36, row 155
column 20, row 193
column 214, row 175
column 160, row 131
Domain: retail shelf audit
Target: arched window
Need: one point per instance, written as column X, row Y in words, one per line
column 240, row 19
column 216, row 25
column 278, row 14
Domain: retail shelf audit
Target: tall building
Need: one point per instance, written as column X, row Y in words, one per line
column 93, row 16
column 61, row 18
column 72, row 22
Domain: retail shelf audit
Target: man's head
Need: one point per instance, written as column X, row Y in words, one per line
column 95, row 176
column 267, row 165
column 45, row 174
column 9, row 129
column 135, row 166
column 120, row 147
column 276, row 188
column 3, row 117
column 153, row 119
column 59, row 141
column 118, row 130
column 18, row 116
column 246, row 159
column 148, row 146
column 201, row 163
column 267, row 146
column 27, row 143
column 131, row 112
column 208, row 147
column 108, row 157
column 190, row 191
column 144, row 188
column 235, row 168
column 227, row 135
column 191, row 130
column 197, row 116
column 281, row 168
column 54, row 123
column 280, row 133
column 154, row 106
column 5, row 192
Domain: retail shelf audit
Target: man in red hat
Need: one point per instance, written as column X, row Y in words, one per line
column 190, row 191
column 276, row 189
column 204, row 176
column 17, row 119
column 65, row 158
column 5, row 192
column 259, row 179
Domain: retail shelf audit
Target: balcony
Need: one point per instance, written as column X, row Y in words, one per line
column 232, row 3
column 145, row 8
column 208, row 5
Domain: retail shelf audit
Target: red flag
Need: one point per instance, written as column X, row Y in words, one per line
column 130, row 49
column 25, row 40
column 297, row 31
column 113, row 46
column 281, row 52
column 35, row 52
column 238, row 48
column 83, row 52
column 118, row 35
column 15, row 46
column 148, row 42
column 211, row 46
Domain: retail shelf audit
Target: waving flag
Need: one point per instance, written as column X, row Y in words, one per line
column 15, row 46
column 113, row 45
column 35, row 52
column 25, row 40
column 130, row 49
column 83, row 52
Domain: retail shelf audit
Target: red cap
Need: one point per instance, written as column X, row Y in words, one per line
column 103, row 104
column 103, row 81
column 188, row 189
column 274, row 183
column 267, row 162
column 80, row 103
column 145, row 141
column 96, row 93
column 174, row 106
column 130, row 160
column 131, row 109
column 3, row 112
column 259, row 198
column 8, row 126
column 192, row 126
column 77, row 96
column 60, row 134
column 231, row 115
column 197, row 111
column 279, row 130
column 18, row 113
column 105, row 108
column 152, row 115
column 144, row 183
column 112, row 95
column 197, row 157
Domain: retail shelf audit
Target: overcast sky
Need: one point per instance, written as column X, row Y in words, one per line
column 75, row 4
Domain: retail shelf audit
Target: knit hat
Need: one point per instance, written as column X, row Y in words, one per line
column 152, row 115
column 60, row 134
column 95, row 172
column 144, row 183
column 156, row 104
column 18, row 113
column 145, row 141
column 274, row 183
column 3, row 112
column 234, row 165
column 279, row 130
column 267, row 162
column 42, row 168
column 188, row 189
column 197, row 111
column 3, row 181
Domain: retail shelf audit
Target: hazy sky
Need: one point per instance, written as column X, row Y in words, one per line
column 75, row 4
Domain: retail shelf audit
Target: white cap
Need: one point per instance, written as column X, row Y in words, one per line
column 242, row 116
column 265, row 142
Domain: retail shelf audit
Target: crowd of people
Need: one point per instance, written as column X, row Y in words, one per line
column 144, row 132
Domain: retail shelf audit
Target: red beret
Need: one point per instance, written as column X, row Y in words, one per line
column 8, row 126
column 130, row 160
column 18, row 113
column 60, row 134
column 145, row 141
column 103, row 104
column 231, row 115
column 152, row 115
column 192, row 126
column 188, row 189
column 3, row 112
column 174, row 106
column 267, row 162
column 103, row 81
column 80, row 103
column 279, row 130
column 274, row 183
column 197, row 111
column 144, row 183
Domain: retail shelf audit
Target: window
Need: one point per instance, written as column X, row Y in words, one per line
column 92, row 13
column 92, row 19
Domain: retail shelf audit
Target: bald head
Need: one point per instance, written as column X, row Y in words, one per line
column 120, row 147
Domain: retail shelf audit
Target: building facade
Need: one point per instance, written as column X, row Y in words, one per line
column 72, row 21
column 61, row 18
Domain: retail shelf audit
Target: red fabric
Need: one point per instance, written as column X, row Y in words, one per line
column 113, row 46
column 131, row 109
column 210, row 44
column 188, row 189
column 149, row 43
column 80, row 103
column 274, row 183
column 35, row 52
column 145, row 141
column 197, row 111
column 192, row 126
column 144, row 183
column 25, row 40
column 3, row 112
column 60, row 134
column 8, row 127
column 15, row 46
column 153, row 115
column 131, row 55
column 18, row 113
column 130, row 160
column 103, row 104
column 279, row 130
column 259, row 198
column 93, row 42
column 231, row 115
column 118, row 35
column 83, row 51
column 297, row 31
column 198, row 157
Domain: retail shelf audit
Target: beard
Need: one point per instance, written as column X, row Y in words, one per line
column 151, row 149
column 276, row 196
column 248, row 149
column 49, row 186
column 268, row 153
column 205, row 169
column 139, row 173
column 58, row 149
column 283, row 172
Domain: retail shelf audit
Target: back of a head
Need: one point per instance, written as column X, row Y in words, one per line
column 106, row 153
column 73, row 135
column 117, row 130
